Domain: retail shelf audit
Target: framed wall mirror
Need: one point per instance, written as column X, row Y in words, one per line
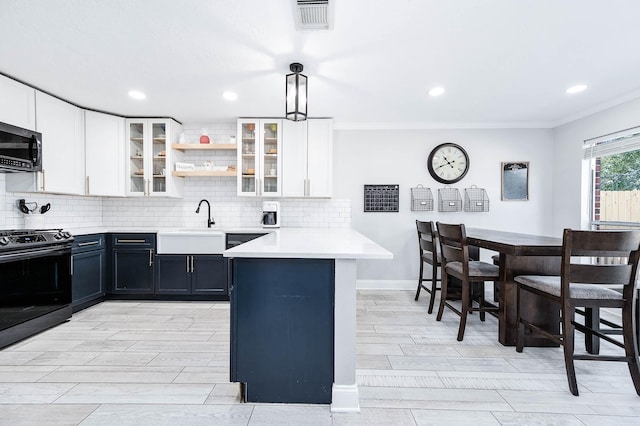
column 515, row 181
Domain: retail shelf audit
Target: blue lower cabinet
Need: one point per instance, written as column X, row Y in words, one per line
column 132, row 259
column 89, row 261
column 282, row 329
column 191, row 274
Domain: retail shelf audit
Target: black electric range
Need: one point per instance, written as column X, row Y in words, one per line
column 35, row 281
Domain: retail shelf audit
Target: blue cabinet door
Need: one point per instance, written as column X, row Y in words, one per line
column 173, row 274
column 209, row 275
column 133, row 271
column 88, row 276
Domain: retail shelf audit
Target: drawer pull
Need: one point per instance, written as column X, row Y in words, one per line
column 90, row 243
column 118, row 241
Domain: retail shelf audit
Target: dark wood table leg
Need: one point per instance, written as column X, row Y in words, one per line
column 537, row 310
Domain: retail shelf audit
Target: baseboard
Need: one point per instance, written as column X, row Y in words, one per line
column 386, row 284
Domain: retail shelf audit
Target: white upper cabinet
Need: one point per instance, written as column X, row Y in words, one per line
column 307, row 158
column 259, row 157
column 104, row 158
column 149, row 158
column 62, row 128
column 17, row 104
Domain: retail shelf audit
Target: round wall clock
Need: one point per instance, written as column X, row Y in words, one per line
column 448, row 163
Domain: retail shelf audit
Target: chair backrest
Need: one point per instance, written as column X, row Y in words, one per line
column 427, row 237
column 580, row 248
column 453, row 244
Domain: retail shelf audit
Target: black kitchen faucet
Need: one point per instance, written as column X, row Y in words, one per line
column 210, row 220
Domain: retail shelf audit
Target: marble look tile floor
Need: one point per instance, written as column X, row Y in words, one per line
column 167, row 363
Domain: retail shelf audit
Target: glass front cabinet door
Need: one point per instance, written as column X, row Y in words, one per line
column 259, row 157
column 149, row 157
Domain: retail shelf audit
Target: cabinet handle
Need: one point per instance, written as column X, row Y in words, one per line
column 307, row 187
column 119, row 241
column 71, row 265
column 186, row 262
column 193, row 268
column 150, row 257
column 42, row 187
column 87, row 191
column 90, row 243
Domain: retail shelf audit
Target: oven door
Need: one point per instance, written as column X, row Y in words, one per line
column 34, row 282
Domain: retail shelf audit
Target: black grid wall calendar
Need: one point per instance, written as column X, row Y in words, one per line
column 381, row 198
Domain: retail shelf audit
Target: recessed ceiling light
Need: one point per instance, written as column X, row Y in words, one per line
column 135, row 94
column 230, row 96
column 576, row 89
column 436, row 91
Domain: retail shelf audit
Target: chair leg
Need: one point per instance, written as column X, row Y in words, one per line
column 419, row 280
column 592, row 321
column 443, row 294
column 466, row 299
column 519, row 325
column 568, row 337
column 631, row 345
column 483, row 314
column 434, row 282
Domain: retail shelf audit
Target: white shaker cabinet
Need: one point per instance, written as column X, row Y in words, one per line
column 259, row 157
column 62, row 128
column 149, row 158
column 17, row 104
column 104, row 159
column 307, row 158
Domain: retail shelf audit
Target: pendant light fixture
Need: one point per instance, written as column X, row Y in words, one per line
column 296, row 93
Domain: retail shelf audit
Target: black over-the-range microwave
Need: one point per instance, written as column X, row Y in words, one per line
column 20, row 149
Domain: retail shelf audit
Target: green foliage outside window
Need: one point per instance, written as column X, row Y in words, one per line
column 620, row 172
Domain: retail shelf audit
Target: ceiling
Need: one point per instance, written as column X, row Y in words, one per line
column 501, row 62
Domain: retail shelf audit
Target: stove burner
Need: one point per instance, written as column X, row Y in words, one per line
column 19, row 239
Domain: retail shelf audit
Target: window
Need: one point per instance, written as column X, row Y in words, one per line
column 615, row 180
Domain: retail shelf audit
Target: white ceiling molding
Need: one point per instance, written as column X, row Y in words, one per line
column 598, row 108
column 440, row 126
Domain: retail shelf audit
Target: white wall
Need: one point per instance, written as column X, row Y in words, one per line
column 570, row 194
column 400, row 157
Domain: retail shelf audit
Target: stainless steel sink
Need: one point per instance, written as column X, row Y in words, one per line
column 191, row 241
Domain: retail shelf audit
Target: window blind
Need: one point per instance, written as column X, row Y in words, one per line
column 614, row 143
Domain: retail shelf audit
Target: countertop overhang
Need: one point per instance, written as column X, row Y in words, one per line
column 317, row 243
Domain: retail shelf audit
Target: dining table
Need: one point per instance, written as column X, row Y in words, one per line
column 521, row 254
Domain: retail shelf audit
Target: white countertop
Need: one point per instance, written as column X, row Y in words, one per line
column 156, row 229
column 316, row 243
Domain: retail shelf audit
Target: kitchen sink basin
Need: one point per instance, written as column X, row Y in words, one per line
column 191, row 241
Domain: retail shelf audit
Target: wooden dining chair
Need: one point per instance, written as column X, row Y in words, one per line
column 454, row 250
column 428, row 245
column 585, row 283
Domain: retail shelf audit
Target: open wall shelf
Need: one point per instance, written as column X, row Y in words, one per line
column 204, row 146
column 204, row 173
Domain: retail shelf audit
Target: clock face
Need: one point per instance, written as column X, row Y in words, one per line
column 448, row 163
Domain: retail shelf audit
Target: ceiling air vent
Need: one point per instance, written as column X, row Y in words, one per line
column 312, row 14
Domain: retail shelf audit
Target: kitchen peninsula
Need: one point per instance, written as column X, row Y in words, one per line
column 293, row 315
